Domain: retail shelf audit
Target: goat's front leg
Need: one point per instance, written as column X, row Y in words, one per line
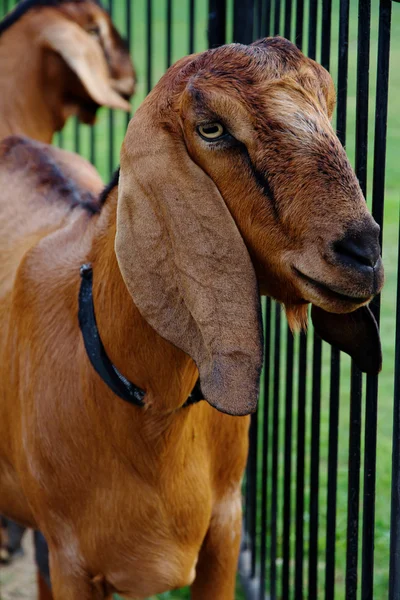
column 218, row 559
column 70, row 582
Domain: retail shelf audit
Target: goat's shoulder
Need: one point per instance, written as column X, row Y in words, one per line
column 42, row 189
column 56, row 174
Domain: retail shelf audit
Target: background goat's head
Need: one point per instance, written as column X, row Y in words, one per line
column 83, row 62
column 233, row 154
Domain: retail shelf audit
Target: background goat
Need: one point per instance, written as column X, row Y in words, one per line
column 60, row 58
column 231, row 179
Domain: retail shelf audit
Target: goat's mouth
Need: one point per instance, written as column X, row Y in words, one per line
column 319, row 290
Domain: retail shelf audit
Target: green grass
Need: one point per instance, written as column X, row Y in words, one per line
column 105, row 166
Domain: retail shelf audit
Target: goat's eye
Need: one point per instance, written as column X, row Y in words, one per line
column 211, row 131
column 94, row 31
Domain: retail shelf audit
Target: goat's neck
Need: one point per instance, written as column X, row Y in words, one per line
column 25, row 106
column 166, row 373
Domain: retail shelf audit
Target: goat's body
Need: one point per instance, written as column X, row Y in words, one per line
column 157, row 483
column 37, row 213
column 141, row 500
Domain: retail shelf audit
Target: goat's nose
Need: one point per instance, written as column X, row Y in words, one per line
column 357, row 249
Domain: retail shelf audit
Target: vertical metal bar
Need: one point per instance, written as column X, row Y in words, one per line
column 275, row 443
column 265, row 452
column 364, row 26
column 312, row 29
column 368, row 534
column 301, row 427
column 326, row 33
column 247, row 504
column 353, row 503
column 381, row 110
column 277, row 19
column 287, row 466
column 169, row 33
column 243, row 21
column 314, row 474
column 128, row 5
column 191, row 25
column 149, row 31
column 332, row 475
column 267, row 18
column 343, row 70
column 288, row 19
column 110, row 120
column 299, row 23
column 258, row 25
column 216, row 23
column 252, row 480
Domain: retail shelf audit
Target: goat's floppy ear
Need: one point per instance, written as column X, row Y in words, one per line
column 84, row 56
column 355, row 333
column 185, row 264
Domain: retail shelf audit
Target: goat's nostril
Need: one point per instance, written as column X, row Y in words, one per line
column 358, row 250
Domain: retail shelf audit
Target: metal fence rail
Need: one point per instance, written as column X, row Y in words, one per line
column 292, row 509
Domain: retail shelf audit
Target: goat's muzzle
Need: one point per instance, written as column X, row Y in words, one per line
column 347, row 274
column 359, row 250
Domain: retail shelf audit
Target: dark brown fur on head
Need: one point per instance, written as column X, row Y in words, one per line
column 283, row 173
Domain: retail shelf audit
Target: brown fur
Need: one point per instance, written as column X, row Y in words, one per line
column 43, row 82
column 145, row 500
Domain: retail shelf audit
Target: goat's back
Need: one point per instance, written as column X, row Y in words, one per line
column 41, row 189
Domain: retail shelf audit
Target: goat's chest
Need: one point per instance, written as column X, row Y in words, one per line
column 151, row 542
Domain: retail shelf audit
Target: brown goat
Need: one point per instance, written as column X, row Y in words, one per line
column 231, row 175
column 60, row 58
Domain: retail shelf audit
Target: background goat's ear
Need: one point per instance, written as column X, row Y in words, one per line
column 355, row 333
column 185, row 264
column 84, row 56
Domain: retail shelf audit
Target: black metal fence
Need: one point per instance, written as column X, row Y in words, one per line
column 311, row 482
column 291, row 545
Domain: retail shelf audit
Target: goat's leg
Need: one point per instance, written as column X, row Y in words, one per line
column 218, row 559
column 70, row 582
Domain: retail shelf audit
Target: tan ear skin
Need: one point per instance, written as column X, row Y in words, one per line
column 189, row 210
column 355, row 333
column 186, row 266
column 84, row 56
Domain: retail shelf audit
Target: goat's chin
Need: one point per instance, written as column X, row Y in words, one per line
column 297, row 316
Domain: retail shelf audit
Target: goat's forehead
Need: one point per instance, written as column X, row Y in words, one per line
column 257, row 61
column 245, row 70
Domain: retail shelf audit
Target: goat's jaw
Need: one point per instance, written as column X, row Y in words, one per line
column 333, row 289
column 338, row 289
